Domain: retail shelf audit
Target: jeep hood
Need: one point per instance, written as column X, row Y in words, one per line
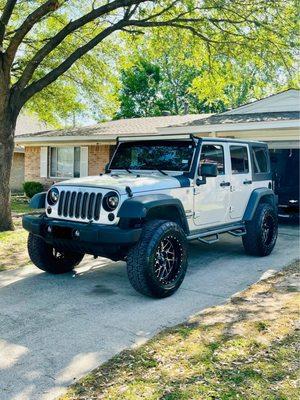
column 119, row 182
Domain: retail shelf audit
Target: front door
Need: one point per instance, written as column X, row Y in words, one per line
column 211, row 199
column 241, row 180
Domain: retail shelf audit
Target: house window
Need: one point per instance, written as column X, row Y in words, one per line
column 64, row 162
column 239, row 159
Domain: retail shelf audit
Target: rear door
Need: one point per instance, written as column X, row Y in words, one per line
column 241, row 180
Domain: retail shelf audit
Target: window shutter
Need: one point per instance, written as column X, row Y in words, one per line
column 44, row 162
column 84, row 162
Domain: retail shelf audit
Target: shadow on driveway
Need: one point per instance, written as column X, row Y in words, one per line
column 54, row 329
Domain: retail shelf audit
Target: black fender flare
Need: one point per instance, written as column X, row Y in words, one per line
column 256, row 197
column 139, row 207
column 38, row 200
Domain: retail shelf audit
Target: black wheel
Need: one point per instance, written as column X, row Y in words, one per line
column 48, row 259
column 262, row 231
column 157, row 264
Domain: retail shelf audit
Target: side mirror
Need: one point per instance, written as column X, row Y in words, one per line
column 208, row 170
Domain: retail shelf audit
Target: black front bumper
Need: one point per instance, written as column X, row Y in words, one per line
column 81, row 237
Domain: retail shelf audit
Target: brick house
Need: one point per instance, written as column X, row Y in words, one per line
column 25, row 124
column 51, row 156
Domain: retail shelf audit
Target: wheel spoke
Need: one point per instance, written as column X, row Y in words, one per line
column 168, row 260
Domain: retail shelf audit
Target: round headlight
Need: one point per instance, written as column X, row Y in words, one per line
column 110, row 201
column 53, row 196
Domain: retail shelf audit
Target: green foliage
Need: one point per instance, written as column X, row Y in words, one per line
column 229, row 53
column 31, row 188
column 206, row 76
column 152, row 89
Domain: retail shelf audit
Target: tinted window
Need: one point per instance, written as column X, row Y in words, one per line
column 213, row 154
column 149, row 155
column 260, row 160
column 239, row 159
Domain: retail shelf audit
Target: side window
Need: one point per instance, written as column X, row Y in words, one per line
column 239, row 159
column 213, row 154
column 260, row 160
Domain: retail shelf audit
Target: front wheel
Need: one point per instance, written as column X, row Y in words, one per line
column 48, row 259
column 262, row 231
column 157, row 264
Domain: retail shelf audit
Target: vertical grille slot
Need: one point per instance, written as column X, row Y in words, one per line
column 66, row 204
column 84, row 205
column 61, row 201
column 77, row 206
column 72, row 205
column 91, row 206
column 97, row 206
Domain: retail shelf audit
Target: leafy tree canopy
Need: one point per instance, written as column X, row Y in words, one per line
column 206, row 76
column 233, row 52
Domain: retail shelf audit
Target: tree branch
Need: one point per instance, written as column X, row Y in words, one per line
column 5, row 17
column 56, row 40
column 46, row 80
column 30, row 21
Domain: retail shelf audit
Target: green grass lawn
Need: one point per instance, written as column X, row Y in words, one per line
column 20, row 204
column 13, row 247
column 246, row 349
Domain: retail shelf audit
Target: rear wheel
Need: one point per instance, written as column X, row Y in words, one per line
column 157, row 264
column 48, row 259
column 262, row 231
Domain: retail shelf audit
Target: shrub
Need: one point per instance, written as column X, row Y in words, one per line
column 32, row 188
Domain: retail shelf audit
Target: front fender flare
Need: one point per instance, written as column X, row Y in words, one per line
column 139, row 207
column 38, row 200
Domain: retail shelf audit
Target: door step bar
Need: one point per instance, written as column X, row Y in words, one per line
column 238, row 232
column 204, row 235
column 209, row 241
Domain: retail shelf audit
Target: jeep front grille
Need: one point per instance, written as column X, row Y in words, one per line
column 80, row 205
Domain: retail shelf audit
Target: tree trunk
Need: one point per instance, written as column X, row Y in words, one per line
column 7, row 130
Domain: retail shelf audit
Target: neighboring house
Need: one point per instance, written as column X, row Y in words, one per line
column 274, row 120
column 25, row 124
column 61, row 154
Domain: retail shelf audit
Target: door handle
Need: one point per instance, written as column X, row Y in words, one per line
column 247, row 182
column 223, row 184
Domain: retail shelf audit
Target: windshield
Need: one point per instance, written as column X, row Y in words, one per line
column 168, row 155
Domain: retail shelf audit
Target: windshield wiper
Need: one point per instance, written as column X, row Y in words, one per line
column 128, row 170
column 161, row 171
column 156, row 168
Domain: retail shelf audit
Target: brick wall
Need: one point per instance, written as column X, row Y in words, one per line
column 17, row 173
column 99, row 156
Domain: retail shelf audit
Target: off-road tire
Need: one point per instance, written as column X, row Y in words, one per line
column 142, row 259
column 42, row 255
column 254, row 241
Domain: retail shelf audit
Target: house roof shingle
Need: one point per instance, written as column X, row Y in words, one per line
column 242, row 118
column 133, row 126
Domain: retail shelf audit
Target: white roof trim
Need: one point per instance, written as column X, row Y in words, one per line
column 70, row 138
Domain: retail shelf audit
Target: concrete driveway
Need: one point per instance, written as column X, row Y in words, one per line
column 54, row 329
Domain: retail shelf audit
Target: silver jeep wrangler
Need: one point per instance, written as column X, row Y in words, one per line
column 157, row 193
